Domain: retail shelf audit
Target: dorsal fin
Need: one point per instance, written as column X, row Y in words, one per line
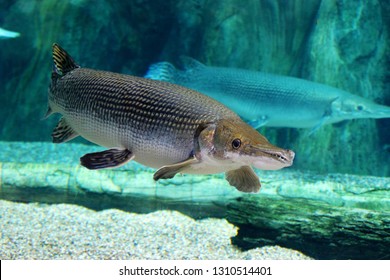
column 63, row 62
column 190, row 63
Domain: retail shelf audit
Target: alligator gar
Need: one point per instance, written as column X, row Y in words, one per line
column 158, row 124
column 263, row 99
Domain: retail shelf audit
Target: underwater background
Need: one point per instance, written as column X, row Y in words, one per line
column 334, row 202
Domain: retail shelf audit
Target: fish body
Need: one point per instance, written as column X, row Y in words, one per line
column 263, row 99
column 6, row 34
column 157, row 124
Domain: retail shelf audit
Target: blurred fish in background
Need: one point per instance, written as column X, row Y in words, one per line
column 264, row 99
column 6, row 34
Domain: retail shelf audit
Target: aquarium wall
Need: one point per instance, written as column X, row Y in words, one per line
column 340, row 43
column 333, row 203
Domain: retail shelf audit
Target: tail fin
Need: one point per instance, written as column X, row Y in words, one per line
column 162, row 71
column 63, row 62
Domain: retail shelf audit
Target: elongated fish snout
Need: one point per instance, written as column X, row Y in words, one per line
column 272, row 159
column 380, row 111
column 240, row 143
column 290, row 155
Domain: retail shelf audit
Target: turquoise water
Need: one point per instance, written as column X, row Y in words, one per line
column 341, row 168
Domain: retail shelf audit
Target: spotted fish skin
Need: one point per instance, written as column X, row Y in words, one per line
column 157, row 124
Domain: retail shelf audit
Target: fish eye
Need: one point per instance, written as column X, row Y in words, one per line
column 236, row 143
column 359, row 107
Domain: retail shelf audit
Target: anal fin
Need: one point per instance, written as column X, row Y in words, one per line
column 106, row 159
column 169, row 171
column 48, row 112
column 63, row 132
column 244, row 179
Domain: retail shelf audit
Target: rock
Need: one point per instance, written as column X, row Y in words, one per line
column 348, row 47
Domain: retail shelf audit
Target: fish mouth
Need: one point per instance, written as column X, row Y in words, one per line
column 285, row 156
column 268, row 159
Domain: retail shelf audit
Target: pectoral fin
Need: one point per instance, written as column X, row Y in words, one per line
column 63, row 132
column 326, row 117
column 244, row 179
column 106, row 159
column 169, row 171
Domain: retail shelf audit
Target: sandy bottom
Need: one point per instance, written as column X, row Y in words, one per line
column 63, row 231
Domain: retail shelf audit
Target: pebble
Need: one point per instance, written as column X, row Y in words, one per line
column 64, row 231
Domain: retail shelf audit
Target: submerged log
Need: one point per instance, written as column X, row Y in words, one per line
column 127, row 189
column 335, row 216
column 316, row 228
column 72, row 183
